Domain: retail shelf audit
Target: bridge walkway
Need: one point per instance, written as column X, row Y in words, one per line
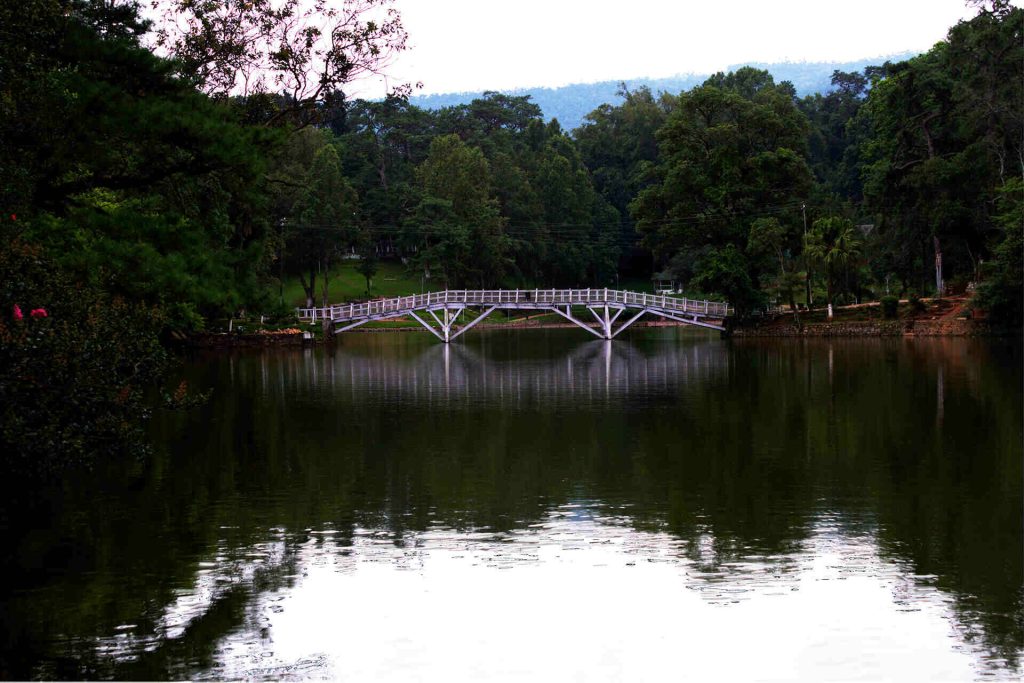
column 445, row 309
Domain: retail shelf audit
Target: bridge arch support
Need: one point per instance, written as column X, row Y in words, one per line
column 441, row 312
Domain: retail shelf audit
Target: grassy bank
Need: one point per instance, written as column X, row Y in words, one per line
column 392, row 279
column 347, row 284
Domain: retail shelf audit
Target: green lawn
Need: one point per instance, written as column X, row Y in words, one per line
column 392, row 279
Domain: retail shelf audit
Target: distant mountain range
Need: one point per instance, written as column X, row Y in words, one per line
column 570, row 103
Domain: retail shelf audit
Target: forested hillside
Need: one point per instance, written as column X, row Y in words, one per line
column 570, row 104
column 144, row 195
column 742, row 188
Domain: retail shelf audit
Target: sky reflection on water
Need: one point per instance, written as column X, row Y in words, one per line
column 585, row 595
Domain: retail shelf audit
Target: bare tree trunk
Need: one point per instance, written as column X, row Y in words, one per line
column 829, row 291
column 787, row 283
column 309, row 287
column 326, row 281
column 924, row 267
column 975, row 276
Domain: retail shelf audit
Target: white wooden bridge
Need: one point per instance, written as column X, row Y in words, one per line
column 447, row 307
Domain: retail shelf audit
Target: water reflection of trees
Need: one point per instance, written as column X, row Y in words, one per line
column 738, row 451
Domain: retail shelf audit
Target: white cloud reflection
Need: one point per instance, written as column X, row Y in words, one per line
column 585, row 598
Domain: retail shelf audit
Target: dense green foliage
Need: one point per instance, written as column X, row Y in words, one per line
column 134, row 182
column 161, row 185
column 944, row 136
column 134, row 204
column 479, row 195
column 729, row 151
column 1000, row 293
column 131, row 202
column 902, row 175
column 890, row 306
column 72, row 380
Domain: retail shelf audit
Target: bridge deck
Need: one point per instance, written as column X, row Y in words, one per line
column 561, row 301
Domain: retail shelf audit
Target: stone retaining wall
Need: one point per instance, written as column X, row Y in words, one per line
column 875, row 328
column 211, row 340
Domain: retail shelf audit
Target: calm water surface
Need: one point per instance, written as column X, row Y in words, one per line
column 534, row 504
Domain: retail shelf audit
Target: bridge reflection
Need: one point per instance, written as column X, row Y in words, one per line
column 585, row 372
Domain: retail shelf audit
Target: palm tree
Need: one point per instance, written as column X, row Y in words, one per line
column 832, row 244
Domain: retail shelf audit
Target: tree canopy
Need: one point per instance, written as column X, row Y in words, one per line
column 731, row 151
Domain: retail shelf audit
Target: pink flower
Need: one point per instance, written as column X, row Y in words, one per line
column 38, row 313
column 17, row 313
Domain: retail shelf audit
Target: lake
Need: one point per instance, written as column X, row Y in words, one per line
column 535, row 504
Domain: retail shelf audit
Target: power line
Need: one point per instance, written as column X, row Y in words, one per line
column 564, row 227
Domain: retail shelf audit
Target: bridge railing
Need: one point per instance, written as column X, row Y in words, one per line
column 508, row 298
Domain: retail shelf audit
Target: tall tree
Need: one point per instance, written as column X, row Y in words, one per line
column 768, row 239
column 945, row 135
column 303, row 51
column 324, row 222
column 1002, row 292
column 581, row 227
column 457, row 227
column 135, row 181
column 619, row 146
column 733, row 150
column 834, row 140
column 833, row 245
column 384, row 142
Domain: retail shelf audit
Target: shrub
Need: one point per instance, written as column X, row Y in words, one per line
column 72, row 382
column 916, row 305
column 957, row 285
column 890, row 304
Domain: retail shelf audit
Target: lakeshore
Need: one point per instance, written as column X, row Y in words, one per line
column 938, row 317
column 949, row 317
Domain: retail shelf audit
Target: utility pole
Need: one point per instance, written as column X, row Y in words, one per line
column 807, row 275
column 280, row 262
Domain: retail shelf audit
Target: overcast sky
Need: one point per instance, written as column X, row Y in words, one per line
column 459, row 45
